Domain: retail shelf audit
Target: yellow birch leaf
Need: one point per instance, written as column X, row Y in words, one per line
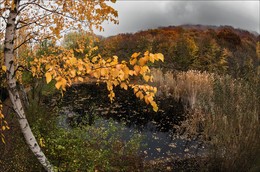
column 94, row 59
column 135, row 89
column 41, row 142
column 123, row 85
column 48, row 77
column 142, row 61
column 146, row 100
column 80, row 79
column 115, row 82
column 131, row 72
column 80, row 67
column 3, row 140
column 151, row 58
column 96, row 74
column 63, row 84
column 135, row 55
column 73, row 60
column 146, row 53
column 126, row 72
column 58, row 85
column 160, row 57
column 140, row 95
column 73, row 73
column 109, row 60
column 146, row 78
column 155, row 108
column 133, row 61
column 144, row 69
column 103, row 72
column 47, row 67
column 4, row 68
column 137, row 69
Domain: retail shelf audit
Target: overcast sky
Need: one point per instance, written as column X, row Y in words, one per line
column 137, row 15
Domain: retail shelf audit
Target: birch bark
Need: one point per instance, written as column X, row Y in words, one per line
column 9, row 58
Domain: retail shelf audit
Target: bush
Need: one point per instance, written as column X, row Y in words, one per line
column 90, row 148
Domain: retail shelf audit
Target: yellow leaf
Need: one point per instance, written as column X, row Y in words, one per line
column 133, row 61
column 146, row 78
column 137, row 69
column 58, row 85
column 3, row 140
column 115, row 82
column 73, row 73
column 146, row 53
column 154, row 105
column 142, row 61
column 140, row 95
column 160, row 56
column 135, row 89
column 151, row 58
column 126, row 72
column 4, row 68
column 131, row 73
column 135, row 55
column 144, row 69
column 48, row 77
column 146, row 100
column 103, row 72
column 80, row 67
column 96, row 74
column 73, row 60
column 94, row 59
column 63, row 84
column 47, row 67
column 80, row 79
column 41, row 142
column 123, row 85
column 109, row 60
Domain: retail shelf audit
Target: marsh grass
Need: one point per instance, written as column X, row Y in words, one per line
column 224, row 111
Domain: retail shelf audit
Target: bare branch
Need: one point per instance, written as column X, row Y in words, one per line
column 23, row 6
column 4, row 19
column 24, row 42
column 33, row 22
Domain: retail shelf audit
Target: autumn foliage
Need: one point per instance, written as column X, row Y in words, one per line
column 65, row 69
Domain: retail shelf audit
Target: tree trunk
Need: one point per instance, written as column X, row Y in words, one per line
column 13, row 91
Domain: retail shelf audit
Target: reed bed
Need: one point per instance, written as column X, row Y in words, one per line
column 225, row 111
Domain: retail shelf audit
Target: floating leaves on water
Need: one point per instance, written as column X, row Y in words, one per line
column 158, row 149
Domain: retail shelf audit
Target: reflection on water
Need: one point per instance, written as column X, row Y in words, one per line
column 83, row 102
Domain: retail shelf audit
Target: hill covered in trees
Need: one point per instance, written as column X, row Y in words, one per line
column 222, row 49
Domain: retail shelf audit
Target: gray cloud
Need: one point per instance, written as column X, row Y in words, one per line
column 141, row 15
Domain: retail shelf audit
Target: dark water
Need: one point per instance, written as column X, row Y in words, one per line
column 86, row 101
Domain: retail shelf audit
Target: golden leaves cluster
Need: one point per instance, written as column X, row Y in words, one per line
column 3, row 124
column 65, row 69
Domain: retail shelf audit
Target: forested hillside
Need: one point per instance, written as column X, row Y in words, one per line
column 207, row 48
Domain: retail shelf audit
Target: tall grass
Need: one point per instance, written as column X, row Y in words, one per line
column 224, row 110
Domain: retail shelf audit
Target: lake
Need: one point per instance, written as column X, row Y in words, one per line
column 159, row 128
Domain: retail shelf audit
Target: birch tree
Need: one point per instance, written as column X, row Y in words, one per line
column 37, row 20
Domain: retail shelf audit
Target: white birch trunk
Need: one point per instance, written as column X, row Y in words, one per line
column 14, row 94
